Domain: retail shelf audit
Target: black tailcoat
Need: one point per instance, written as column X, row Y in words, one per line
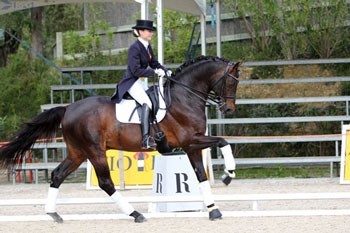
column 139, row 59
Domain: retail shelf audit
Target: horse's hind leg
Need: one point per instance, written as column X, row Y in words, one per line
column 58, row 175
column 105, row 182
column 204, row 186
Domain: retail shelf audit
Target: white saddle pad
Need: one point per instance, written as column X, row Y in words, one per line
column 125, row 108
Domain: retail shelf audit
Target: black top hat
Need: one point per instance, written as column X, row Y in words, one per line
column 144, row 24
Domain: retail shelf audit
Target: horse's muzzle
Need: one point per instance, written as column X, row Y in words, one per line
column 226, row 109
column 229, row 111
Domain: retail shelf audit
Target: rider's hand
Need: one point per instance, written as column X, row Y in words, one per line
column 159, row 72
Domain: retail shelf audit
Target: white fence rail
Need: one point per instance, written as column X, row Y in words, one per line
column 254, row 198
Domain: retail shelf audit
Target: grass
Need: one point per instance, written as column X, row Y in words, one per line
column 278, row 172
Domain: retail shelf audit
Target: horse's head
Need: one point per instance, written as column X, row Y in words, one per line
column 208, row 78
column 225, row 87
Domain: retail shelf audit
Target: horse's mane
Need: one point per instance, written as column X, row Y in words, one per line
column 185, row 67
column 197, row 60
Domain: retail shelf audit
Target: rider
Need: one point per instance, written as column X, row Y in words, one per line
column 140, row 56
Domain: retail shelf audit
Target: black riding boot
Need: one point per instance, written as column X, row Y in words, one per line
column 147, row 140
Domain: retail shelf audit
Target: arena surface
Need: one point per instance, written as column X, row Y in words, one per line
column 309, row 224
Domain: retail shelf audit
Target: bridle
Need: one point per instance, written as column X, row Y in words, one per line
column 220, row 99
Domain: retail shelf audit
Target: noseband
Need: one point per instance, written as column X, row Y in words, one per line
column 220, row 100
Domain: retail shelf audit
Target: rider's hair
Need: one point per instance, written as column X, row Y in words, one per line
column 135, row 33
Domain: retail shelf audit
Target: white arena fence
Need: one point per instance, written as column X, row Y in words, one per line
column 254, row 198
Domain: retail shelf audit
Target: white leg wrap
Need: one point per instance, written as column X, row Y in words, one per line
column 50, row 206
column 206, row 192
column 125, row 207
column 230, row 163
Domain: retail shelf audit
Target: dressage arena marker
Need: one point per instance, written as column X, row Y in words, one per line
column 162, row 199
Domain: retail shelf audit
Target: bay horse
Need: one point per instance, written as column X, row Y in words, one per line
column 89, row 128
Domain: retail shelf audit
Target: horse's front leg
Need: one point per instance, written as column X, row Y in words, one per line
column 203, row 142
column 230, row 164
column 196, row 160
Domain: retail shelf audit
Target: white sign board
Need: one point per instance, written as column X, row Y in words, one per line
column 174, row 176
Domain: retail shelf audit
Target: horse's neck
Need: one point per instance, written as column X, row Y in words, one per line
column 193, row 85
column 189, row 97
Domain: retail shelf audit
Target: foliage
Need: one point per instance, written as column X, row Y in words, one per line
column 19, row 23
column 325, row 30
column 178, row 29
column 87, row 43
column 25, row 85
column 296, row 28
column 73, row 20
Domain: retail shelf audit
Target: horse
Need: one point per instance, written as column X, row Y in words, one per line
column 89, row 128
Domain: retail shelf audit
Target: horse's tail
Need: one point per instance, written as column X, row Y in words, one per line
column 43, row 126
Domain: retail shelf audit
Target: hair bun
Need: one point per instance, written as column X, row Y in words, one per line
column 135, row 33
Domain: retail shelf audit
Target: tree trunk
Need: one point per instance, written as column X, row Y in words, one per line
column 37, row 27
column 10, row 46
column 3, row 56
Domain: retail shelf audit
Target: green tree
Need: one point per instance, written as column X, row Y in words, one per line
column 299, row 28
column 177, row 29
column 15, row 23
column 25, row 85
column 327, row 27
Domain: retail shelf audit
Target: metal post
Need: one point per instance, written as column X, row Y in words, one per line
column 218, row 53
column 86, row 17
column 144, row 15
column 144, row 9
column 218, row 28
column 160, row 31
column 121, row 170
column 203, row 35
column 59, row 47
column 81, row 77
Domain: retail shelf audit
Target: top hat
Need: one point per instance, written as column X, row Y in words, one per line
column 144, row 24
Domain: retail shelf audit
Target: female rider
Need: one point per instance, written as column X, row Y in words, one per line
column 140, row 58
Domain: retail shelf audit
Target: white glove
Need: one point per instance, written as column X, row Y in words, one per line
column 168, row 73
column 159, row 72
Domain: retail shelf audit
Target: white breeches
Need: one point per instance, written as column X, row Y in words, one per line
column 139, row 94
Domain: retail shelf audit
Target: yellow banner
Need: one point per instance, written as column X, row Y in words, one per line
column 347, row 157
column 138, row 167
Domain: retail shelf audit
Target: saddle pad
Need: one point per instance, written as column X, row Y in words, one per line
column 125, row 108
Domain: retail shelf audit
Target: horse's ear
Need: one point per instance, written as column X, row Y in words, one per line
column 236, row 66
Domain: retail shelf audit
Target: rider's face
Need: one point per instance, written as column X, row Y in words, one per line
column 146, row 34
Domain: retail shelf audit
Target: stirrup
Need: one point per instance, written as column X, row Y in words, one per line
column 148, row 143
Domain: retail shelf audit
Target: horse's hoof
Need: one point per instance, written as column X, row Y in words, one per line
column 226, row 179
column 140, row 219
column 228, row 176
column 56, row 217
column 215, row 214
